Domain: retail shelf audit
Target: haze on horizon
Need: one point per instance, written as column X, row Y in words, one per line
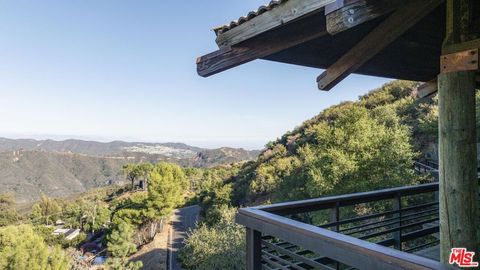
column 124, row 70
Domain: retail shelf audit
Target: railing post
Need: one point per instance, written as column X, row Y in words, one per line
column 254, row 249
column 335, row 217
column 397, row 235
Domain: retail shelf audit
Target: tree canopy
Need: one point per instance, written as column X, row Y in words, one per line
column 22, row 248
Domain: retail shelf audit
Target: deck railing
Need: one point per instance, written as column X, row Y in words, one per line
column 370, row 230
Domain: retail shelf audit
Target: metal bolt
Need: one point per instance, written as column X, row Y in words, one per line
column 350, row 19
column 351, row 11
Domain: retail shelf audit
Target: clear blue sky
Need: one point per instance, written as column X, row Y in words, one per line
column 118, row 69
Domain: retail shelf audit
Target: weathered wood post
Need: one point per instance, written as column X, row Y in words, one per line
column 459, row 215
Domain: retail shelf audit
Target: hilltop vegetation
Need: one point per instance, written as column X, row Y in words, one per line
column 121, row 218
column 63, row 168
column 351, row 147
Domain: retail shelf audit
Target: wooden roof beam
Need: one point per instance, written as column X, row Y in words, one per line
column 280, row 15
column 400, row 21
column 428, row 88
column 273, row 42
column 359, row 12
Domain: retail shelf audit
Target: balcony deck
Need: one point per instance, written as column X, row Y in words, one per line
column 386, row 229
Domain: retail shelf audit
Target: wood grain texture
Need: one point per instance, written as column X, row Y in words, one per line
column 270, row 43
column 388, row 31
column 459, row 193
column 278, row 16
column 459, row 216
column 463, row 46
column 358, row 13
column 428, row 88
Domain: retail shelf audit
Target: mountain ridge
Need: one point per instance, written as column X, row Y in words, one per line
column 29, row 167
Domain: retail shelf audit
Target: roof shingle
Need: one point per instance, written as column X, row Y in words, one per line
column 262, row 9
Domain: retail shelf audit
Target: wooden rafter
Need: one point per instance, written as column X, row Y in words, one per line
column 287, row 12
column 359, row 12
column 428, row 88
column 275, row 41
column 406, row 16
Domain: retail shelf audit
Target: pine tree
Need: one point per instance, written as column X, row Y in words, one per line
column 120, row 246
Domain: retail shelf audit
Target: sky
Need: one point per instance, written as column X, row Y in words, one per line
column 125, row 70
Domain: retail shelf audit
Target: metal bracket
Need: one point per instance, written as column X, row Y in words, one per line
column 461, row 61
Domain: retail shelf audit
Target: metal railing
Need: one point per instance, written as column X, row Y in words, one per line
column 365, row 230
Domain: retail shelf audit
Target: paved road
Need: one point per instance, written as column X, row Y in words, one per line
column 183, row 219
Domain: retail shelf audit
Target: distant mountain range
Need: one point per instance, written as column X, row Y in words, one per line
column 59, row 168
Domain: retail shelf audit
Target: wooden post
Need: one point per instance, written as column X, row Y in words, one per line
column 458, row 163
column 254, row 249
column 459, row 215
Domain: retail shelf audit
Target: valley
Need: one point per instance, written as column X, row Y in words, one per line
column 29, row 167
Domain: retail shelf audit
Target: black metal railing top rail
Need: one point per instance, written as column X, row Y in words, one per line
column 425, row 167
column 365, row 230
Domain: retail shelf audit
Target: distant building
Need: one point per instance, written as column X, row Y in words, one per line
column 69, row 234
column 59, row 223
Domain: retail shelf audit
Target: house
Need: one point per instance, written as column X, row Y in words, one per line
column 69, row 234
column 432, row 41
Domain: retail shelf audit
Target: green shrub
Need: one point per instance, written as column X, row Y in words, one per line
column 221, row 246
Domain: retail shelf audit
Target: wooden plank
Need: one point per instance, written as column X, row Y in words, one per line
column 275, row 41
column 463, row 46
column 460, row 61
column 388, row 31
column 426, row 89
column 280, row 15
column 345, row 249
column 338, row 5
column 359, row 12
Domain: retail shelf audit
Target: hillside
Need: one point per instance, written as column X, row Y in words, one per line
column 342, row 148
column 94, row 148
column 60, row 168
column 29, row 173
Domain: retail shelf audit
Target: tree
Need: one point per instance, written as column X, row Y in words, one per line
column 96, row 217
column 119, row 243
column 22, row 248
column 47, row 211
column 360, row 150
column 166, row 189
column 8, row 214
column 134, row 171
column 220, row 246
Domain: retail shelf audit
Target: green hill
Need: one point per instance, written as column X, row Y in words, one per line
column 354, row 146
